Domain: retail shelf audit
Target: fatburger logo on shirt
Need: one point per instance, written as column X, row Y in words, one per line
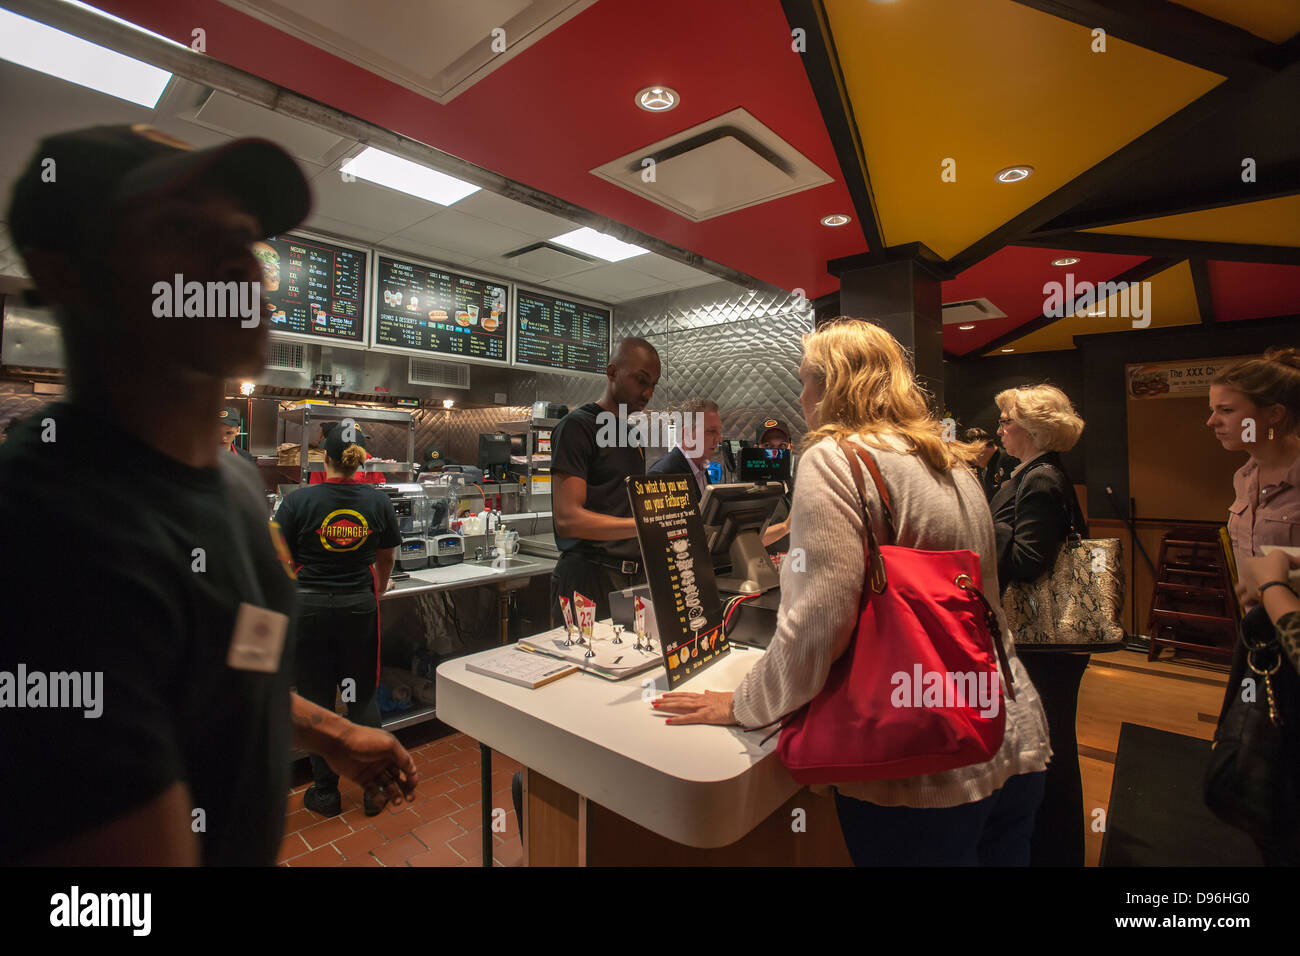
column 343, row 530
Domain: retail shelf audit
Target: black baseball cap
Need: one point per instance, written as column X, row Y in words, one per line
column 770, row 425
column 335, row 445
column 231, row 416
column 79, row 178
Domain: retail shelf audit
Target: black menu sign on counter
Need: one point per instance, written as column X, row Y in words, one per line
column 560, row 333
column 425, row 308
column 688, row 613
column 316, row 288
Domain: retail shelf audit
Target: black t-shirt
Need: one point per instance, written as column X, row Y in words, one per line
column 137, row 570
column 575, row 451
column 334, row 530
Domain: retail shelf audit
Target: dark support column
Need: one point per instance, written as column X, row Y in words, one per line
column 905, row 299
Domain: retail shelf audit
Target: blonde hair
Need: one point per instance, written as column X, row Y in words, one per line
column 1045, row 413
column 871, row 391
column 354, row 456
column 1271, row 380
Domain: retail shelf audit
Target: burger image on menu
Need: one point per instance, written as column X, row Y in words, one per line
column 269, row 260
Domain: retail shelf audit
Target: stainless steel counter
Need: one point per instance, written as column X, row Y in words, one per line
column 470, row 574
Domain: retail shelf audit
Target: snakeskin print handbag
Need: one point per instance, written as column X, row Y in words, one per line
column 1079, row 601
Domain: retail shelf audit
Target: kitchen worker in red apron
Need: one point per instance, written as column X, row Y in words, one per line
column 343, row 535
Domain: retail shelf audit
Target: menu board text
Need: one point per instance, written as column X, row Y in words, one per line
column 558, row 333
column 314, row 287
column 432, row 310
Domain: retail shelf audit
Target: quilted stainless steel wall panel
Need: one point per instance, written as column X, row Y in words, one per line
column 18, row 401
column 739, row 347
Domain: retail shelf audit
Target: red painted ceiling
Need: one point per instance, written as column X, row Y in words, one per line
column 1253, row 290
column 1013, row 279
column 565, row 106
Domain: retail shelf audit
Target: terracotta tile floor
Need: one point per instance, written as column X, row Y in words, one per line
column 442, row 827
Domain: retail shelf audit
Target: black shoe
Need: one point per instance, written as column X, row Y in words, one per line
column 325, row 802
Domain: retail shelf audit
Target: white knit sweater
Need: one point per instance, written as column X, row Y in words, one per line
column 819, row 607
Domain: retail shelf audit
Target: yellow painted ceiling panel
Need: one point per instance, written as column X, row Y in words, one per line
column 1274, row 20
column 1168, row 300
column 989, row 84
column 1270, row 222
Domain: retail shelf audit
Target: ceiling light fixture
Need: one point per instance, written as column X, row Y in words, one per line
column 837, row 219
column 657, row 99
column 1013, row 174
column 966, row 328
column 1008, row 350
column 1066, row 261
column 385, row 169
column 246, row 388
column 598, row 244
column 40, row 47
column 448, row 402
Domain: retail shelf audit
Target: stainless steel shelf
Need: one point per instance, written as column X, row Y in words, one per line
column 336, row 413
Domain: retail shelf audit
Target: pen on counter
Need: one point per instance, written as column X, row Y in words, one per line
column 617, row 659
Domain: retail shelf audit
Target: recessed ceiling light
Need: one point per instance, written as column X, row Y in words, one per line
column 966, row 328
column 1066, row 261
column 385, row 169
column 598, row 244
column 657, row 99
column 1013, row 174
column 1008, row 350
column 837, row 219
column 40, row 47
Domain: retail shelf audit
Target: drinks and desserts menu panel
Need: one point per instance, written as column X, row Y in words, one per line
column 314, row 287
column 432, row 310
column 558, row 333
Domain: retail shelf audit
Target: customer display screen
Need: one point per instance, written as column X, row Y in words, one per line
column 429, row 309
column 560, row 334
column 314, row 287
column 764, row 464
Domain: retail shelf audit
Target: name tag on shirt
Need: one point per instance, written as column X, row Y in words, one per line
column 258, row 639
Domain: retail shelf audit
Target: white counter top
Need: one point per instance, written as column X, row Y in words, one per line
column 700, row 785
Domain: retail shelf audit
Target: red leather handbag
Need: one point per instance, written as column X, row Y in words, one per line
column 917, row 689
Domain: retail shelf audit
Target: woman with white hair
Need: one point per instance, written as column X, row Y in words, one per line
column 1033, row 513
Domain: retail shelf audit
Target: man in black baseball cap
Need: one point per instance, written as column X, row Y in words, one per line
column 177, row 715
column 231, row 423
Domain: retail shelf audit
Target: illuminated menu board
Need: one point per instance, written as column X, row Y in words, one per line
column 316, row 288
column 428, row 309
column 560, row 334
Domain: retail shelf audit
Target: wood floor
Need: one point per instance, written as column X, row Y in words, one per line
column 1181, row 695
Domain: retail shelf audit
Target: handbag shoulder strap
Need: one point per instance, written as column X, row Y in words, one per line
column 873, row 560
column 1072, row 510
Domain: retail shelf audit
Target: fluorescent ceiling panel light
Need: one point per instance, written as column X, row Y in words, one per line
column 39, row 47
column 385, row 169
column 598, row 244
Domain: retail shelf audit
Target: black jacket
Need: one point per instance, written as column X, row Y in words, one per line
column 995, row 472
column 675, row 463
column 1032, row 512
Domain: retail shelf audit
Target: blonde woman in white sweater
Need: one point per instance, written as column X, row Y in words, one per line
column 858, row 385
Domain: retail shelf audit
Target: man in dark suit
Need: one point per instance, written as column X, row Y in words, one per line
column 993, row 464
column 701, row 432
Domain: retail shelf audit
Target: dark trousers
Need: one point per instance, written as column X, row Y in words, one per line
column 994, row 831
column 1060, row 829
column 578, row 572
column 338, row 640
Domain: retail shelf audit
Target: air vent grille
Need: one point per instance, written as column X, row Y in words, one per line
column 441, row 374
column 287, row 357
column 970, row 310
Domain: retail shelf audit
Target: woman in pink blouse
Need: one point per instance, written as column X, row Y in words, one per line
column 1255, row 408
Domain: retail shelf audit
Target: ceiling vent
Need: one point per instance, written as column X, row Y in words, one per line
column 730, row 162
column 438, row 48
column 970, row 310
column 286, row 357
column 441, row 374
column 544, row 259
column 235, row 117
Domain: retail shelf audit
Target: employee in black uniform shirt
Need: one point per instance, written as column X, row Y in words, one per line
column 591, row 459
column 343, row 536
column 177, row 611
column 230, row 424
column 701, row 432
column 776, row 539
